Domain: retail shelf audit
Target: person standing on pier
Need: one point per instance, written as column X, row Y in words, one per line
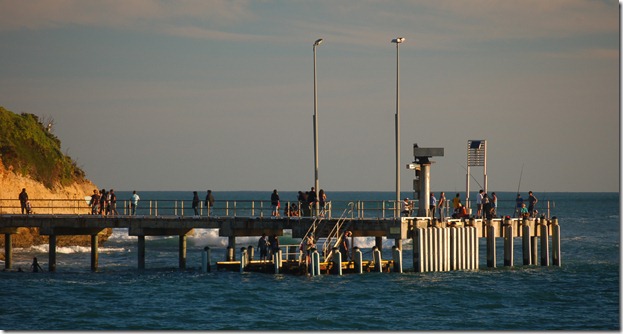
column 406, row 207
column 134, row 202
column 113, row 202
column 274, row 203
column 23, row 198
column 196, row 203
column 532, row 200
column 441, row 205
column 518, row 205
column 311, row 200
column 432, row 205
column 95, row 202
column 303, row 205
column 262, row 246
column 345, row 246
column 209, row 202
column 494, row 203
column 479, row 203
column 322, row 200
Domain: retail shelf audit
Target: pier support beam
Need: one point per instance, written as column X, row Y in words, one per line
column 141, row 252
column 8, row 250
column 94, row 253
column 52, row 254
column 490, row 245
column 525, row 244
column 397, row 254
column 358, row 259
column 206, row 258
column 508, row 244
column 182, row 251
column 555, row 242
column 379, row 243
column 544, row 242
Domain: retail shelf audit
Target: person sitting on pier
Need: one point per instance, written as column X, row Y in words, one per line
column 406, row 207
column 461, row 213
column 524, row 213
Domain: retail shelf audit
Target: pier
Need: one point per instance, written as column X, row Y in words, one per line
column 438, row 245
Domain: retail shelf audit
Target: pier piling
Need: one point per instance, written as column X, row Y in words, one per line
column 94, row 252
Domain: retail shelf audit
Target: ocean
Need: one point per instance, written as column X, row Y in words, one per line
column 582, row 294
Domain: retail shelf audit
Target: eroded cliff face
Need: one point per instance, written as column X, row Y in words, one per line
column 61, row 200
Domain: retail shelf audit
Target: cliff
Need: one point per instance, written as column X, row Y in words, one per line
column 31, row 158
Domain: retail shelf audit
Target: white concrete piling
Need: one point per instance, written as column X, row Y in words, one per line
column 525, row 243
column 337, row 262
column 315, row 263
column 397, row 255
column 544, row 242
column 508, row 244
column 555, row 242
column 491, row 256
column 358, row 258
column 378, row 265
column 243, row 258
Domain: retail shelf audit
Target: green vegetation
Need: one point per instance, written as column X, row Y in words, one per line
column 30, row 149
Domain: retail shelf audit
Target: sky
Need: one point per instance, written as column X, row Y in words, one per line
column 196, row 95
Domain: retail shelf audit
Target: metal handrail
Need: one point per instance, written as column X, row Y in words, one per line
column 228, row 208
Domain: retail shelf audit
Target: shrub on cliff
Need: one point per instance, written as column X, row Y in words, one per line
column 30, row 149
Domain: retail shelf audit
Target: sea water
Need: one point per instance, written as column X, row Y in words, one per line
column 582, row 294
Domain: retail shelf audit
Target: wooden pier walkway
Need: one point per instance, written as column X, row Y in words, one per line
column 437, row 244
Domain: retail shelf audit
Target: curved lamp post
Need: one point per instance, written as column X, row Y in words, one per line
column 397, row 205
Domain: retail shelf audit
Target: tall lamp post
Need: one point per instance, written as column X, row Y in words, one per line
column 316, row 43
column 397, row 205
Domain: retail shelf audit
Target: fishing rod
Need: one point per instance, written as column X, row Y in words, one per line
column 520, row 175
column 470, row 174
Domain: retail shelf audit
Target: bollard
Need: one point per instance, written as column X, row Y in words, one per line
column 315, row 263
column 397, row 255
column 250, row 253
column 277, row 261
column 337, row 262
column 358, row 258
column 490, row 246
column 378, row 265
column 544, row 243
column 555, row 242
column 206, row 259
column 243, row 258
column 230, row 254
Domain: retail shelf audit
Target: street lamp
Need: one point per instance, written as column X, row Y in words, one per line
column 316, row 43
column 397, row 205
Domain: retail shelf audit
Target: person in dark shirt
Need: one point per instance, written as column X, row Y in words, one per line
column 23, row 198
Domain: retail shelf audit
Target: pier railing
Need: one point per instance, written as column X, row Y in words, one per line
column 246, row 208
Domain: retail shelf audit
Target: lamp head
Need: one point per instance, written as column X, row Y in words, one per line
column 398, row 40
column 318, row 41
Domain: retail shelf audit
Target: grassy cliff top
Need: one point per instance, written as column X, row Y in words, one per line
column 30, row 149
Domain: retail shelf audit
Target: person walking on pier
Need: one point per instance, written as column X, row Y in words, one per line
column 209, row 202
column 274, row 203
column 196, row 203
column 134, row 202
column 23, row 198
column 532, row 200
column 494, row 203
